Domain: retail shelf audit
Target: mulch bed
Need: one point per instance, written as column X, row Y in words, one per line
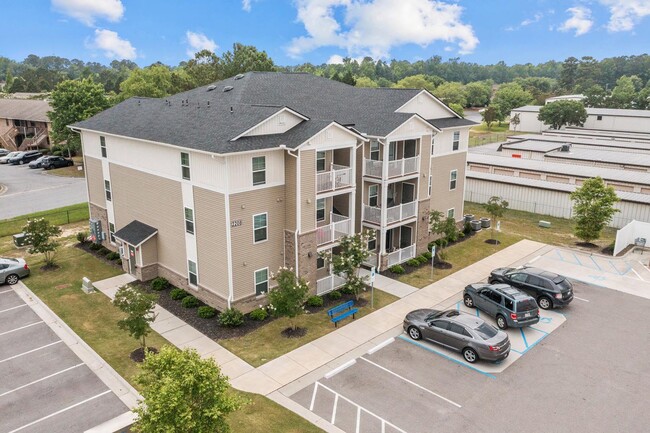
column 99, row 254
column 492, row 242
column 138, row 354
column 294, row 333
column 52, row 267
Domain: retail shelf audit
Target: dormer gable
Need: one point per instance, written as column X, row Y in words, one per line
column 427, row 106
column 278, row 123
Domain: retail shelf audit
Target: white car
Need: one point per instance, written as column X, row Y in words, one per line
column 5, row 159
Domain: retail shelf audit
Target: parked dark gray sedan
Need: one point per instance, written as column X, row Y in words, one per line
column 509, row 306
column 11, row 270
column 458, row 331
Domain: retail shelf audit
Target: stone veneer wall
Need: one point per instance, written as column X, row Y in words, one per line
column 307, row 243
column 101, row 214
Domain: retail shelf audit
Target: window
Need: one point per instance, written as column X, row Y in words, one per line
column 320, row 209
column 451, row 212
column 456, row 142
column 453, row 175
column 259, row 170
column 320, row 263
column 189, row 220
column 372, row 244
column 111, row 232
column 392, row 151
column 432, row 144
column 510, row 305
column 599, row 117
column 102, row 143
column 519, row 278
column 107, row 188
column 320, row 161
column 456, row 328
column 374, row 150
column 185, row 165
column 259, row 227
column 430, row 180
column 262, row 281
column 535, row 281
column 193, row 276
column 441, row 324
column 372, row 195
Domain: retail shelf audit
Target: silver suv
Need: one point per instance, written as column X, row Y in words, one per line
column 509, row 306
column 458, row 331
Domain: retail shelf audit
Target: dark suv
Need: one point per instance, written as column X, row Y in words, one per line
column 25, row 157
column 509, row 306
column 549, row 289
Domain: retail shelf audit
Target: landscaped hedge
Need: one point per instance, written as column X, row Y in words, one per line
column 178, row 294
column 258, row 314
column 159, row 283
column 190, row 302
column 397, row 269
column 206, row 312
column 232, row 317
column 315, row 301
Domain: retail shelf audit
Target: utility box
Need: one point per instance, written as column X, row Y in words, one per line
column 544, row 224
column 87, row 285
column 20, row 240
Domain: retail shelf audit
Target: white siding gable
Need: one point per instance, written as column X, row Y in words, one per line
column 279, row 123
column 240, row 170
column 426, row 106
column 443, row 141
column 331, row 137
column 412, row 128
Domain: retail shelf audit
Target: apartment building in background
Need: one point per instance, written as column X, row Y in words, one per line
column 217, row 187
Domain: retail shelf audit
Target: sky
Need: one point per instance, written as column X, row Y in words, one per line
column 324, row 31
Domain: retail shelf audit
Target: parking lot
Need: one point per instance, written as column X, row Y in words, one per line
column 45, row 386
column 584, row 370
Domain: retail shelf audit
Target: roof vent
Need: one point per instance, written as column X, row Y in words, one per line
column 227, row 89
column 211, row 87
column 565, row 148
column 239, row 76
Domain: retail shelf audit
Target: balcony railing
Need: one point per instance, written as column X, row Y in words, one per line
column 401, row 255
column 371, row 260
column 329, row 283
column 339, row 177
column 393, row 214
column 340, row 226
column 396, row 168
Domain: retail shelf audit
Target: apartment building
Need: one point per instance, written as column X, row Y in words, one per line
column 24, row 124
column 217, row 187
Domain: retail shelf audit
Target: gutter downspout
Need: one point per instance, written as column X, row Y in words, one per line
column 298, row 199
column 231, row 292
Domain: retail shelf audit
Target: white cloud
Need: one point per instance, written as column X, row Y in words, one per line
column 87, row 11
column 335, row 59
column 246, row 5
column 625, row 14
column 197, row 42
column 528, row 21
column 112, row 45
column 374, row 27
column 580, row 21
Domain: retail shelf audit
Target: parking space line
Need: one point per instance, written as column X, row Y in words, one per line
column 637, row 274
column 411, row 382
column 524, row 337
column 580, row 299
column 539, row 330
column 30, row 351
column 339, row 369
column 13, row 308
column 22, row 327
column 6, row 291
column 491, row 376
column 577, row 259
column 359, row 409
column 380, row 346
column 595, row 263
column 41, row 379
column 336, row 403
column 61, row 411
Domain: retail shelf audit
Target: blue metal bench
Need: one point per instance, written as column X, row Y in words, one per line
column 346, row 309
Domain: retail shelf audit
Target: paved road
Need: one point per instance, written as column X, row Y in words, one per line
column 26, row 190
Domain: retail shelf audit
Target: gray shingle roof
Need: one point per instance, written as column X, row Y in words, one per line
column 451, row 122
column 135, row 233
column 253, row 98
column 22, row 109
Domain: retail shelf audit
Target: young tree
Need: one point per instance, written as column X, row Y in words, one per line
column 490, row 115
column 39, row 234
column 441, row 226
column 560, row 113
column 289, row 297
column 354, row 250
column 183, row 393
column 138, row 307
column 73, row 101
column 593, row 208
column 496, row 206
column 515, row 121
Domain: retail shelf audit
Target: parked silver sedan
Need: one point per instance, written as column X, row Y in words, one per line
column 458, row 331
column 11, row 270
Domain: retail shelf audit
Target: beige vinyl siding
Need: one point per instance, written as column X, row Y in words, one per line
column 150, row 252
column 425, row 160
column 210, row 223
column 240, row 169
column 157, row 202
column 290, row 192
column 95, row 180
column 441, row 197
column 308, row 190
column 247, row 257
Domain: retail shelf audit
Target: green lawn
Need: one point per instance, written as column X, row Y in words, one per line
column 480, row 134
column 62, row 215
column 94, row 319
column 266, row 343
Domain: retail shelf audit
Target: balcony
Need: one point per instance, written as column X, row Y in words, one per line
column 329, row 283
column 339, row 227
column 396, row 168
column 393, row 214
column 401, row 255
column 338, row 178
column 372, row 260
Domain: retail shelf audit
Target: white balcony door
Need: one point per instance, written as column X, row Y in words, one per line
column 409, row 149
column 392, row 151
column 408, row 192
column 405, row 236
column 389, row 240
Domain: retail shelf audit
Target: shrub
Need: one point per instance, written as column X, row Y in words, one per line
column 452, row 237
column 113, row 255
column 467, row 228
column 346, row 291
column 190, row 302
column 231, row 318
column 421, row 259
column 102, row 251
column 430, row 244
column 441, row 243
column 315, row 301
column 426, row 255
column 334, row 295
column 82, row 237
column 396, row 269
column 258, row 314
column 442, row 255
column 159, row 283
column 95, row 247
column 178, row 294
column 206, row 312
column 413, row 262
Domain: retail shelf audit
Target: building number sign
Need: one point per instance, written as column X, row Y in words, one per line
column 235, row 223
